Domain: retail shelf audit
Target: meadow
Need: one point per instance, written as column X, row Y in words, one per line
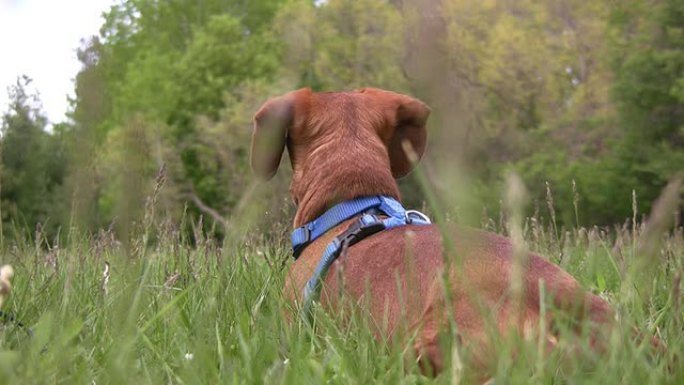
column 176, row 307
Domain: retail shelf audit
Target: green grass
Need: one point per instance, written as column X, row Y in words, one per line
column 221, row 319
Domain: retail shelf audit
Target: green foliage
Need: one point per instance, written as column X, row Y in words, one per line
column 583, row 91
column 648, row 60
column 351, row 44
column 32, row 163
column 543, row 107
column 649, row 66
column 221, row 56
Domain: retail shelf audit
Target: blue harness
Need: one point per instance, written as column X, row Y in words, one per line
column 370, row 222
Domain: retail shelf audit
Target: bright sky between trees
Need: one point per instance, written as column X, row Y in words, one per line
column 39, row 38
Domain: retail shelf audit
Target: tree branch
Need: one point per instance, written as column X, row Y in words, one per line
column 206, row 209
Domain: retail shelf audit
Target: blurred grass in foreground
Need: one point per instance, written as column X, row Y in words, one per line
column 181, row 309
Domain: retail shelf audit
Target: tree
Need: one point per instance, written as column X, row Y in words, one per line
column 648, row 61
column 520, row 84
column 159, row 71
column 32, row 168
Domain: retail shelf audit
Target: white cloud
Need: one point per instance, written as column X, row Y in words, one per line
column 39, row 38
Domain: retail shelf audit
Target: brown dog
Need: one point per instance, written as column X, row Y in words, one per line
column 345, row 145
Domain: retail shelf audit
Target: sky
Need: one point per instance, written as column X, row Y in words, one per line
column 39, row 38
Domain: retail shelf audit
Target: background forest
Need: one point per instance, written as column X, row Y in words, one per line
column 582, row 99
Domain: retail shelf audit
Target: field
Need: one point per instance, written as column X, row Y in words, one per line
column 181, row 309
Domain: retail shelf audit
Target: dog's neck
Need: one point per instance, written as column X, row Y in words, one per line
column 320, row 192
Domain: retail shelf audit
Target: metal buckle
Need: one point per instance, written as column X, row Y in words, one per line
column 307, row 232
column 297, row 250
column 359, row 231
column 417, row 213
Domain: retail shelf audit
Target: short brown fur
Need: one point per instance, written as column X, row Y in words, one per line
column 345, row 145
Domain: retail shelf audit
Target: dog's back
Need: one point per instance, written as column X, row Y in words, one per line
column 398, row 274
column 348, row 145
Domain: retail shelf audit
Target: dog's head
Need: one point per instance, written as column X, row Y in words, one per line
column 341, row 144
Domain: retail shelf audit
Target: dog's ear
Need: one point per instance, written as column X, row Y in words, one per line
column 407, row 117
column 411, row 118
column 271, row 125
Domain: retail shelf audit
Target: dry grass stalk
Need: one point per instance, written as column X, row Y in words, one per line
column 171, row 280
column 575, row 202
column 515, row 200
column 456, row 365
column 635, row 208
column 676, row 296
column 552, row 211
column 51, row 259
column 648, row 243
column 105, row 278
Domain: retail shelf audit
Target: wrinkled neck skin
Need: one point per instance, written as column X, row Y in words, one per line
column 329, row 175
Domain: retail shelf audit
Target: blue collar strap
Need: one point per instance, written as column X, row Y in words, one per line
column 378, row 213
column 304, row 235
